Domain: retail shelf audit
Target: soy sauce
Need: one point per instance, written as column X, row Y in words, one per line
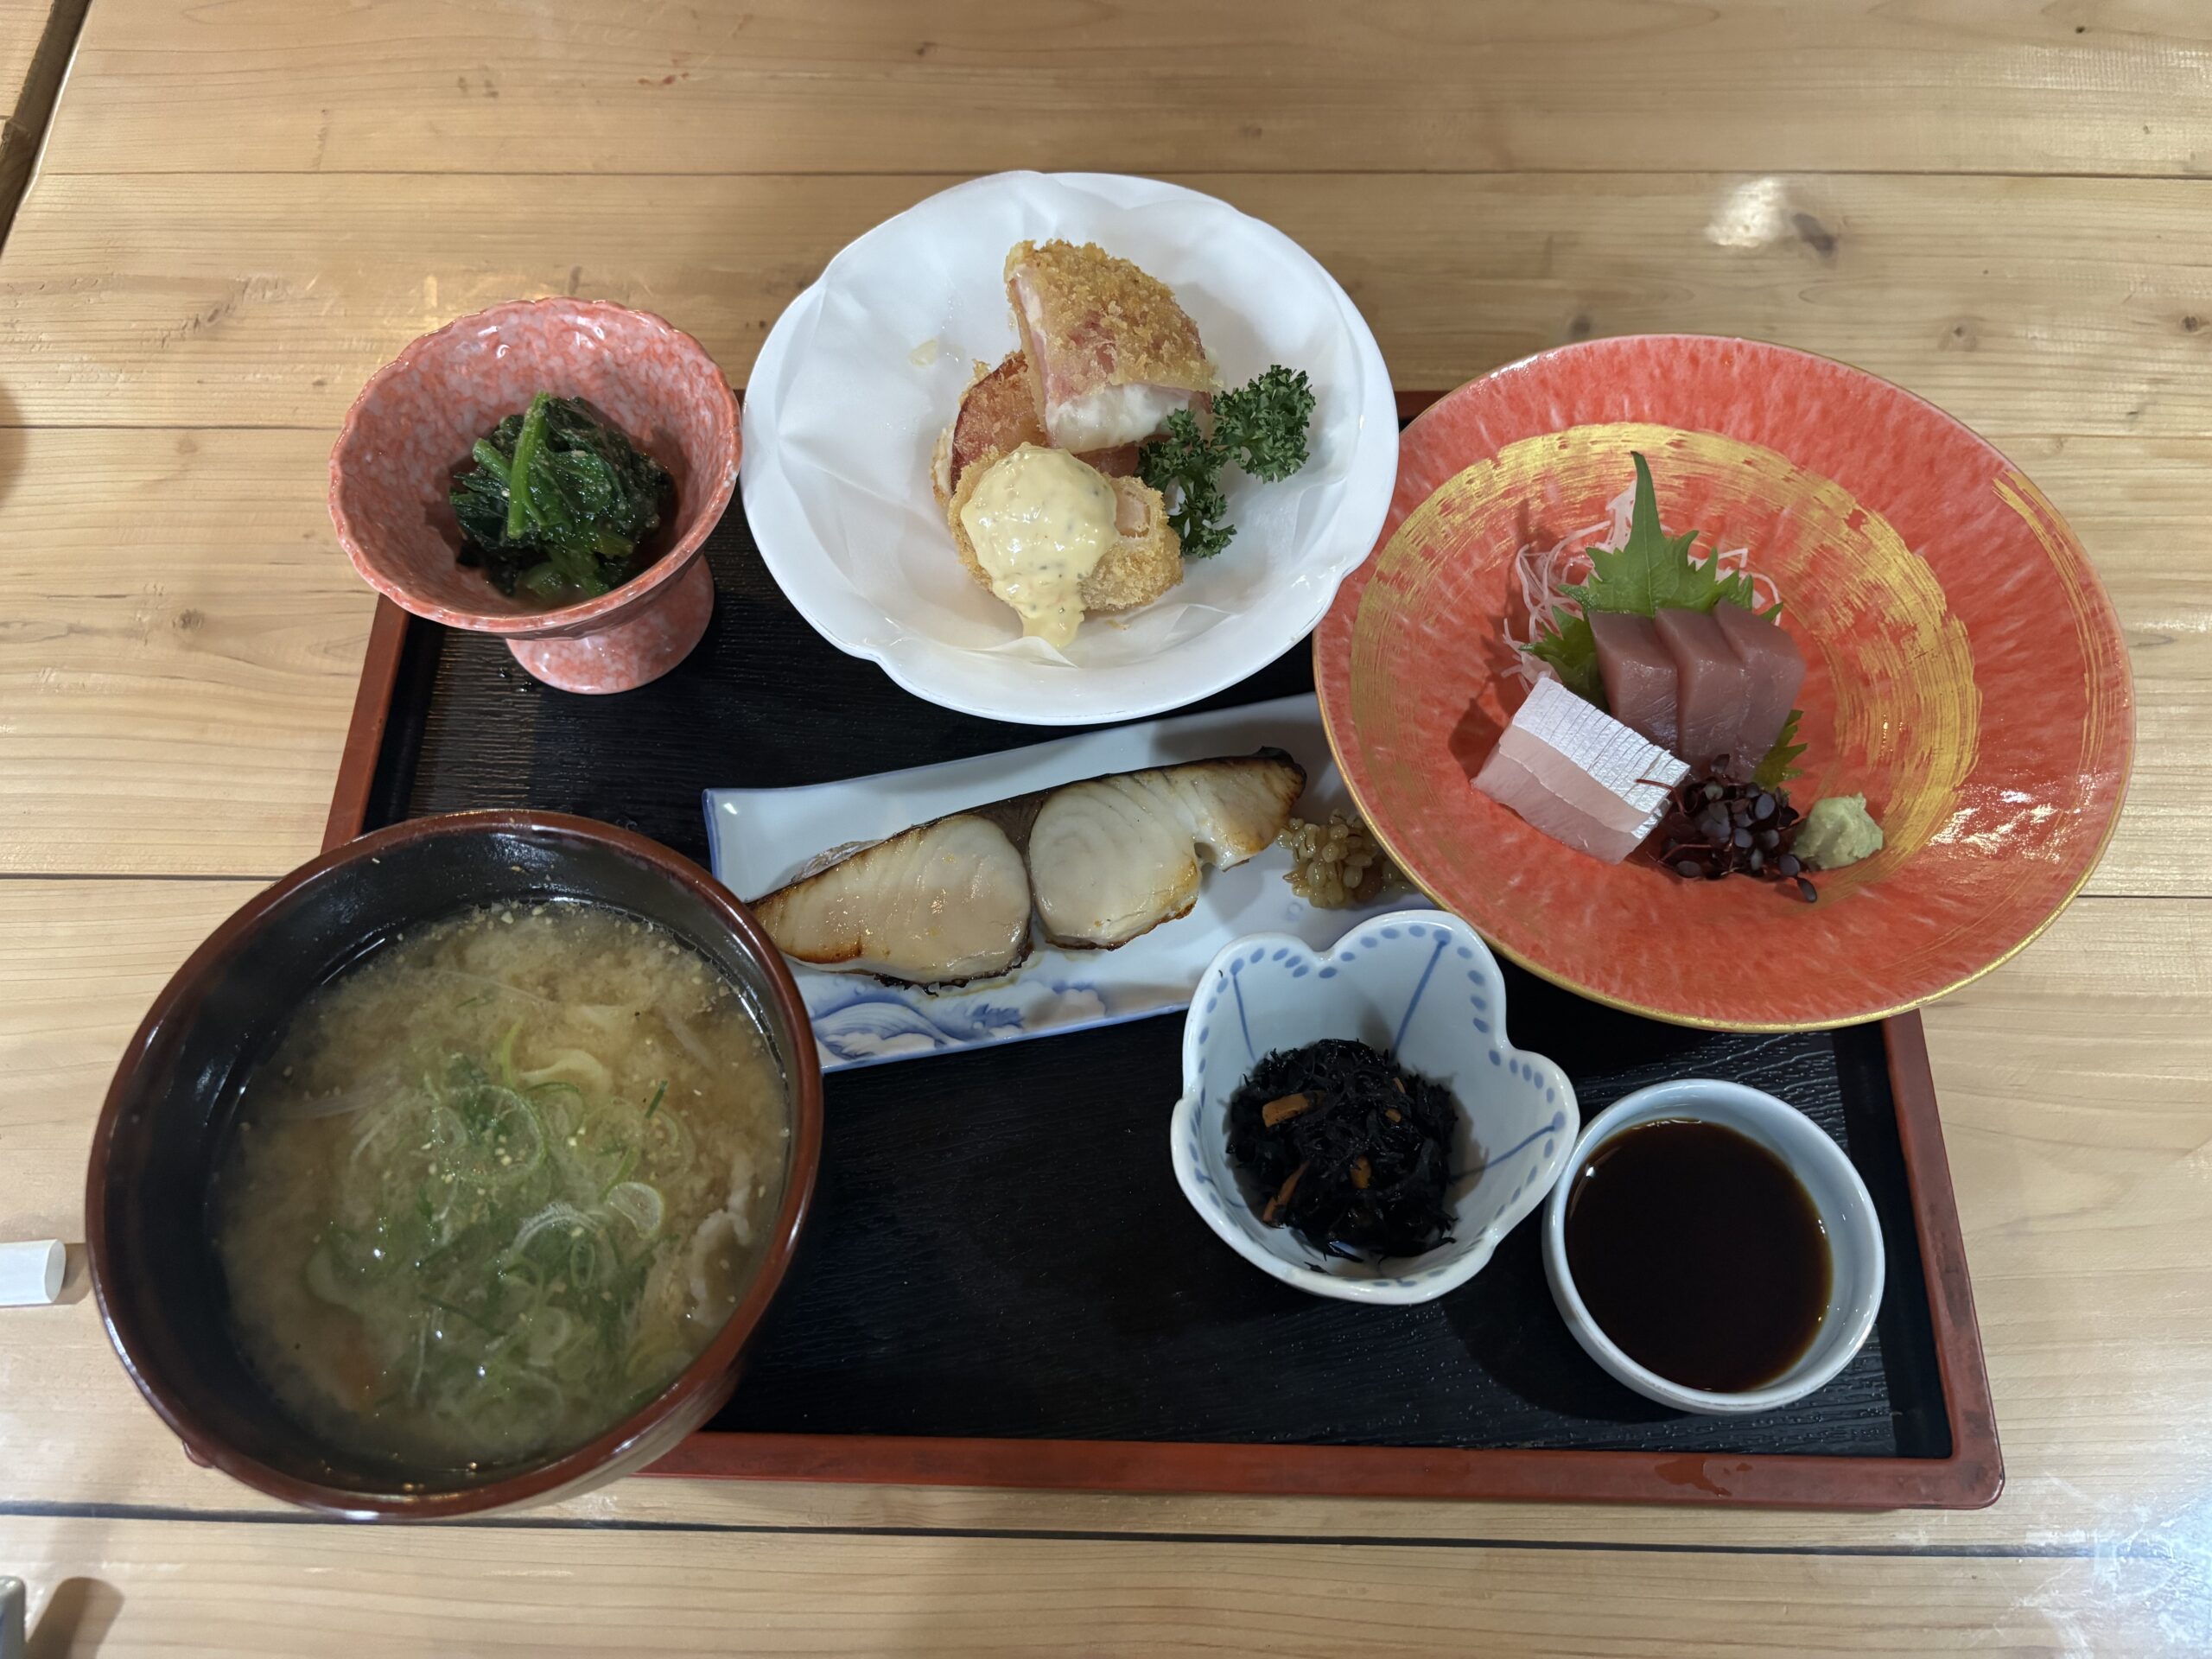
column 1698, row 1253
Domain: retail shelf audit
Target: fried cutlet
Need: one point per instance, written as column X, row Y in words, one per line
column 1111, row 354
column 1144, row 563
column 998, row 415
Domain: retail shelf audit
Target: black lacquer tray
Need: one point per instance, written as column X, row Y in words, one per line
column 1000, row 1284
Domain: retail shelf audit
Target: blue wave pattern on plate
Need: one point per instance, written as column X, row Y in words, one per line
column 866, row 1023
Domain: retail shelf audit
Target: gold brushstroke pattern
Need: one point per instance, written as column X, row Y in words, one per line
column 2086, row 605
column 1902, row 715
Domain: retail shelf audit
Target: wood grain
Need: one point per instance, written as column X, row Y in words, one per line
column 178, row 639
column 2079, row 306
column 23, row 28
column 1143, row 86
column 36, row 37
column 134, row 1587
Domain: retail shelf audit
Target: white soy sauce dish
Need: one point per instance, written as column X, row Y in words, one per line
column 1856, row 1258
column 1421, row 986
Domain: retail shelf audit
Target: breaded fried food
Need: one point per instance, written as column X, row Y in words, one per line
column 1111, row 354
column 998, row 415
column 1145, row 562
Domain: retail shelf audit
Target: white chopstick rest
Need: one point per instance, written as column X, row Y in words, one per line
column 30, row 1274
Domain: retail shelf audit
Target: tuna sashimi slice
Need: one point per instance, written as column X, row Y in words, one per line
column 1639, row 675
column 1777, row 669
column 1714, row 685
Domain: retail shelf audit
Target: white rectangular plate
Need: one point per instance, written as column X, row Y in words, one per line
column 761, row 838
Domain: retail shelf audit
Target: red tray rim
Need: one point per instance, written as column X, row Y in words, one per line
column 1970, row 1478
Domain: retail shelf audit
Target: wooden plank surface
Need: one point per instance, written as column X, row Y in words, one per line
column 2091, row 86
column 2077, row 306
column 248, row 205
column 22, row 48
column 130, row 1587
column 180, row 639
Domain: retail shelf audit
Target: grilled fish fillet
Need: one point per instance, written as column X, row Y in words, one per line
column 1107, row 859
column 1111, row 354
column 1117, row 857
column 940, row 903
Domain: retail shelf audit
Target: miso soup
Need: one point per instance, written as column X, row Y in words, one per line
column 498, row 1185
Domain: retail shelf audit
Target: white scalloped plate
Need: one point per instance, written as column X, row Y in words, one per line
column 866, row 367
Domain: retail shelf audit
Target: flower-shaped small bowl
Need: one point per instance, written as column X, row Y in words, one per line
column 1420, row 984
column 410, row 430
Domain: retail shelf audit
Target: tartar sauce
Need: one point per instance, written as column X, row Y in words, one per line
column 1039, row 522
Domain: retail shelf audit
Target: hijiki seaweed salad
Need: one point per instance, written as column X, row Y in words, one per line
column 1661, row 696
column 1352, row 1151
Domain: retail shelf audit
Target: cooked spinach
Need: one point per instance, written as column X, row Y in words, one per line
column 586, row 499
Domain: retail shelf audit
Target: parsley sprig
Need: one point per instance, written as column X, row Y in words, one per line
column 1261, row 426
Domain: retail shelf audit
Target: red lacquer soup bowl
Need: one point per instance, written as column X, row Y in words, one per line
column 173, row 1107
column 1965, row 672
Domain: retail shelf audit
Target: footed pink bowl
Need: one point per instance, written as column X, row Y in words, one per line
column 410, row 431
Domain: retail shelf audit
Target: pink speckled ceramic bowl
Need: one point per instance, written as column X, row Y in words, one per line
column 410, row 431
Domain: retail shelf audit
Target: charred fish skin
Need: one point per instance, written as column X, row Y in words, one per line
column 1112, row 858
column 944, row 903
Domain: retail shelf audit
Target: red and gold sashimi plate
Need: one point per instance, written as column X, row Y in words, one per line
column 1965, row 672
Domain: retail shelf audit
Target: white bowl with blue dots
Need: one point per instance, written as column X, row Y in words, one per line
column 1420, row 985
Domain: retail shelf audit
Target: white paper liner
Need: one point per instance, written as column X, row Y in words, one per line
column 840, row 424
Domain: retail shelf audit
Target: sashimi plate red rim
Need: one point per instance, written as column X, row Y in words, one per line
column 1965, row 672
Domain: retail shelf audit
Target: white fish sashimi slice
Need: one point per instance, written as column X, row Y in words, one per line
column 1573, row 785
column 942, row 902
column 1114, row 857
column 1578, row 774
column 1510, row 784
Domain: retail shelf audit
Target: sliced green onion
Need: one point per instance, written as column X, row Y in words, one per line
column 638, row 1203
column 504, row 1054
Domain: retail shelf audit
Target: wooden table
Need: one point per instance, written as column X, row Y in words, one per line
column 244, row 208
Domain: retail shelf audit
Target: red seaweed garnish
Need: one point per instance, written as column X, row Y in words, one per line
column 1719, row 824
